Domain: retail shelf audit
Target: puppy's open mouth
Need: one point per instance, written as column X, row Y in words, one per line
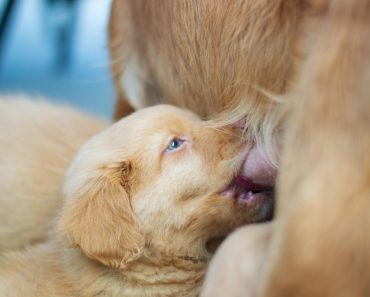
column 248, row 195
column 255, row 199
column 245, row 190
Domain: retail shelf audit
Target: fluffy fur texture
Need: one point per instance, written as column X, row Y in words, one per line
column 324, row 204
column 217, row 58
column 319, row 244
column 139, row 211
column 37, row 143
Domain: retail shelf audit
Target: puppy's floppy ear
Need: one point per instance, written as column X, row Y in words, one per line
column 99, row 218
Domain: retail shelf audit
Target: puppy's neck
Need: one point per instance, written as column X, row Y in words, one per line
column 153, row 274
column 174, row 275
column 160, row 272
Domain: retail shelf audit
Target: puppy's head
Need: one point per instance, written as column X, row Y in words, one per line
column 158, row 180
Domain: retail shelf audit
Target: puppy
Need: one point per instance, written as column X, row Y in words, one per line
column 142, row 201
column 37, row 142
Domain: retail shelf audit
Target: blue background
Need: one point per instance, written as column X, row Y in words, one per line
column 58, row 49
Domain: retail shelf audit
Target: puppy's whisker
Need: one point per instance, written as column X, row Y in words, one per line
column 222, row 130
column 273, row 97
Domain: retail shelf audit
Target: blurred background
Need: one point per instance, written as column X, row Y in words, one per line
column 57, row 49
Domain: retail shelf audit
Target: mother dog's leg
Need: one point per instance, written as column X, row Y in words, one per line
column 235, row 270
column 321, row 244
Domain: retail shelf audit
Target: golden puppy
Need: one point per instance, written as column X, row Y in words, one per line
column 142, row 200
column 37, row 143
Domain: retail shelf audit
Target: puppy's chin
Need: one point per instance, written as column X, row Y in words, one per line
column 247, row 208
column 237, row 206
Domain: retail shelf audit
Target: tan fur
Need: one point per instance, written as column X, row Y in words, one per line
column 323, row 215
column 217, row 58
column 236, row 269
column 37, row 143
column 137, row 217
column 319, row 244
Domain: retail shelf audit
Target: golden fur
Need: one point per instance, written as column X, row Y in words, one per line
column 324, row 205
column 217, row 58
column 137, row 215
column 37, row 143
column 233, row 60
column 319, row 244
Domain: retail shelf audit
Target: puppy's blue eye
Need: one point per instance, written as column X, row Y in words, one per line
column 174, row 144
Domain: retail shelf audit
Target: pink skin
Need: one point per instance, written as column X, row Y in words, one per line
column 254, row 183
column 253, row 186
column 258, row 169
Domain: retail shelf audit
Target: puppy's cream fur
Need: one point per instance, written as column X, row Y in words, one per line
column 138, row 214
column 37, row 143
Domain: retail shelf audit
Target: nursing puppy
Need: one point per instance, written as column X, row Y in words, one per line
column 37, row 142
column 142, row 201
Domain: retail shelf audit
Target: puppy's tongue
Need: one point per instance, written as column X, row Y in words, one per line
column 258, row 169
